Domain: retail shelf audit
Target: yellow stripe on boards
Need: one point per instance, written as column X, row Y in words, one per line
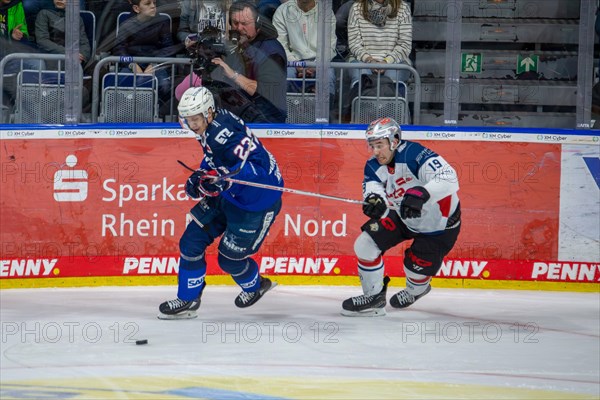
column 296, row 280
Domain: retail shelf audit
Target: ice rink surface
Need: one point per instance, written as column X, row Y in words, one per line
column 293, row 344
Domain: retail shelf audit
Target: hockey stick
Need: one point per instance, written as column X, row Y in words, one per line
column 293, row 191
column 228, row 177
column 217, row 178
column 301, row 192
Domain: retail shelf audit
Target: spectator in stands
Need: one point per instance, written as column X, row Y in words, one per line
column 33, row 7
column 297, row 22
column 196, row 15
column 380, row 31
column 146, row 34
column 258, row 66
column 50, row 32
column 14, row 38
column 14, row 31
column 107, row 13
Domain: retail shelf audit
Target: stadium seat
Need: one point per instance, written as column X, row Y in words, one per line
column 301, row 108
column 40, row 97
column 367, row 109
column 128, row 97
column 368, row 106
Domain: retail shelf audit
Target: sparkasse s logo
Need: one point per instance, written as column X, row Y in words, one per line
column 70, row 184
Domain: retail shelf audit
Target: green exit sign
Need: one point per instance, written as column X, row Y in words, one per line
column 471, row 63
column 527, row 63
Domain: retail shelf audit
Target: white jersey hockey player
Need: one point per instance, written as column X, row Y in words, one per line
column 410, row 193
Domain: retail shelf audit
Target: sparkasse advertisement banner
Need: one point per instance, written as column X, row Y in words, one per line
column 95, row 206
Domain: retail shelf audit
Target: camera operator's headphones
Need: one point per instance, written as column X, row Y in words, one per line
column 241, row 5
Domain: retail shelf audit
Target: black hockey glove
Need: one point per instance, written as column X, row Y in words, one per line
column 192, row 184
column 211, row 187
column 375, row 206
column 413, row 201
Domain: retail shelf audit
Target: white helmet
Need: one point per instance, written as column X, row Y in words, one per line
column 384, row 128
column 194, row 101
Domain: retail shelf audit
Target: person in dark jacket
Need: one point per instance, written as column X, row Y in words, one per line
column 259, row 64
column 146, row 34
column 50, row 32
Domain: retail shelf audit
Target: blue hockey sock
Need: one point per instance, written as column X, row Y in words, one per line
column 248, row 277
column 190, row 283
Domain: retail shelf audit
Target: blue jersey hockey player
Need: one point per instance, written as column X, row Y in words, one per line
column 410, row 193
column 240, row 214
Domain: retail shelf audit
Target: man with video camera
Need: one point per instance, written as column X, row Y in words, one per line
column 248, row 72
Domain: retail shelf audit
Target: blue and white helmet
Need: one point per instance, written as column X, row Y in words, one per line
column 386, row 128
column 195, row 101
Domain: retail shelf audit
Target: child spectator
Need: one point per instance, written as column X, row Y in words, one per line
column 14, row 38
column 50, row 32
column 33, row 7
column 147, row 34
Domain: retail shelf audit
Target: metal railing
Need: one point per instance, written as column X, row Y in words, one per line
column 117, row 61
column 344, row 87
column 37, row 89
column 339, row 109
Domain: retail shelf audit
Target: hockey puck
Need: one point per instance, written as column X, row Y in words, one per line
column 143, row 341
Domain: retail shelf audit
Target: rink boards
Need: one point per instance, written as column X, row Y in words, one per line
column 105, row 204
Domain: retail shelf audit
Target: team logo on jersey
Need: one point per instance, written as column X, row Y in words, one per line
column 374, row 227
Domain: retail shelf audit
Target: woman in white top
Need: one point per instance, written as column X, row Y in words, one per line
column 380, row 31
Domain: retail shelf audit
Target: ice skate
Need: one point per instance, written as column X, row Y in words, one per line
column 366, row 306
column 403, row 299
column 179, row 309
column 246, row 299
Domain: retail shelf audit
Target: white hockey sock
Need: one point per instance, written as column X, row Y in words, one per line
column 416, row 283
column 371, row 275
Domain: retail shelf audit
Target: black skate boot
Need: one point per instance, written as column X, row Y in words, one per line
column 246, row 299
column 403, row 299
column 179, row 309
column 366, row 306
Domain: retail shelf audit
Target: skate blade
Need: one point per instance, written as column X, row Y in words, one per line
column 273, row 284
column 374, row 312
column 183, row 315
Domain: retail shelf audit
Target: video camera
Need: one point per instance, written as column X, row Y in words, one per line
column 209, row 44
